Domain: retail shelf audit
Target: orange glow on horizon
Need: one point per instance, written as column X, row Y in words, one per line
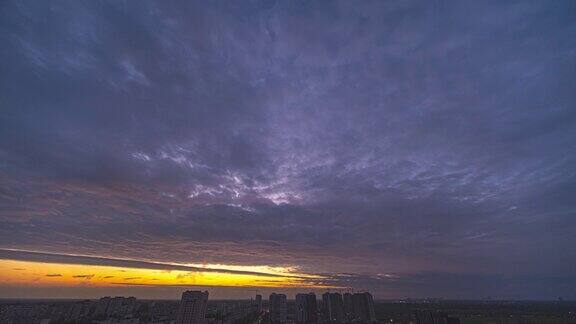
column 57, row 274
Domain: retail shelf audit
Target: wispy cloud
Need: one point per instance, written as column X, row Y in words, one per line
column 84, row 276
column 324, row 137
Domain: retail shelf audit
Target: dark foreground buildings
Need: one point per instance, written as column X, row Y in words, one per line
column 363, row 307
column 358, row 308
column 278, row 308
column 192, row 309
column 129, row 310
column 306, row 308
column 258, row 303
column 332, row 308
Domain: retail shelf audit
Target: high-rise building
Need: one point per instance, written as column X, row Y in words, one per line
column 128, row 306
column 80, row 310
column 364, row 307
column 102, row 306
column 278, row 308
column 306, row 309
column 258, row 302
column 115, row 306
column 192, row 308
column 333, row 307
column 348, row 306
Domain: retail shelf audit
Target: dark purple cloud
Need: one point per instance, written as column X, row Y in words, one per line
column 431, row 142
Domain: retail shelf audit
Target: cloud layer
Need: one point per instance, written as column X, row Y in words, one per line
column 405, row 146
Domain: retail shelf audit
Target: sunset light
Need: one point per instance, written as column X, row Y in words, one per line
column 55, row 274
column 287, row 161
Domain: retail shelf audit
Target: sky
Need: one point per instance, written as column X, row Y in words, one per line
column 409, row 148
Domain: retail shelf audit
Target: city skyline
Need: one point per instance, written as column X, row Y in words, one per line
column 412, row 149
column 195, row 307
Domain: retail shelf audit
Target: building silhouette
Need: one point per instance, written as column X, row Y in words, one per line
column 278, row 308
column 435, row 317
column 348, row 306
column 102, row 306
column 363, row 304
column 306, row 308
column 114, row 306
column 332, row 307
column 258, row 303
column 192, row 309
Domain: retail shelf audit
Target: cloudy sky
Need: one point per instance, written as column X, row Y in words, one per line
column 411, row 148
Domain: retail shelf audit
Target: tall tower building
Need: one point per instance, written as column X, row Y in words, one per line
column 364, row 307
column 192, row 308
column 348, row 306
column 333, row 307
column 258, row 302
column 306, row 308
column 278, row 308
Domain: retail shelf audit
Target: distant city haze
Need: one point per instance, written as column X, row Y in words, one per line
column 195, row 307
column 410, row 149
